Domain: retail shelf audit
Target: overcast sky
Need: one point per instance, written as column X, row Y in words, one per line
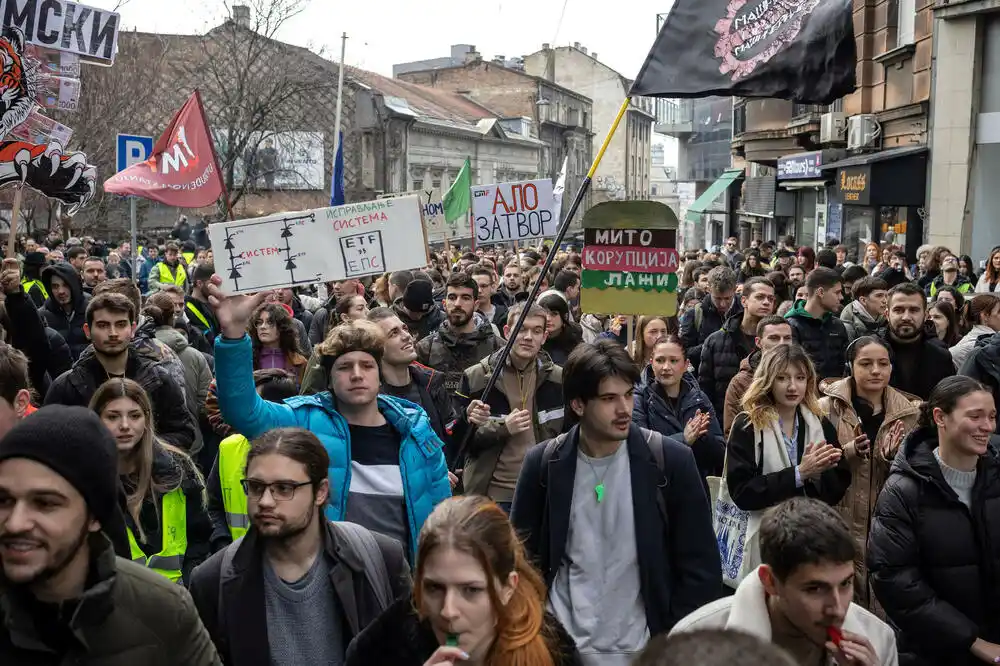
column 392, row 31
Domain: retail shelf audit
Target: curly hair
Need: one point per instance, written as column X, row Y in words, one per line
column 361, row 335
column 288, row 335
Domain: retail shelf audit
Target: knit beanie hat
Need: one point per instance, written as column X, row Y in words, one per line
column 75, row 444
column 419, row 296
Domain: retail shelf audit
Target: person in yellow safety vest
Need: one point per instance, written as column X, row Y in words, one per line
column 168, row 271
column 168, row 526
column 31, row 281
column 227, row 503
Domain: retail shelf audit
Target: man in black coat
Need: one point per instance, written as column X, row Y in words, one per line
column 648, row 571
column 723, row 350
column 110, row 319
column 334, row 564
column 815, row 325
column 919, row 359
column 65, row 309
column 708, row 316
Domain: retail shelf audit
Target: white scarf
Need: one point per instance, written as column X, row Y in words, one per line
column 774, row 453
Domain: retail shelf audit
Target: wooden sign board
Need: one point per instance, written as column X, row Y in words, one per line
column 630, row 260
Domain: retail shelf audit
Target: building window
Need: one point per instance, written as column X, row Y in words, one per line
column 418, row 185
column 905, row 18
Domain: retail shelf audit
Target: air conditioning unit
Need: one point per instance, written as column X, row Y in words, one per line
column 832, row 127
column 862, row 130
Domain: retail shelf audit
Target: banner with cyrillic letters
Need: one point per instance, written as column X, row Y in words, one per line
column 519, row 211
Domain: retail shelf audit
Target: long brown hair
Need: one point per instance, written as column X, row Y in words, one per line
column 475, row 525
column 758, row 401
column 145, row 450
column 288, row 335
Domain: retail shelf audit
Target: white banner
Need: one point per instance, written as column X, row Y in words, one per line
column 432, row 205
column 319, row 245
column 514, row 211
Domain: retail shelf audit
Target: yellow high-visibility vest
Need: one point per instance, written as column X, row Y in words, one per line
column 28, row 284
column 170, row 560
column 178, row 277
column 199, row 316
column 233, row 452
column 188, row 257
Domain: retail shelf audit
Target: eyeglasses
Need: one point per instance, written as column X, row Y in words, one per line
column 281, row 491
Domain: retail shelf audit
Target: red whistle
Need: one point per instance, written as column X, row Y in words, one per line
column 835, row 635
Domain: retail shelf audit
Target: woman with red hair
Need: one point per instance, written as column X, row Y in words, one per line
column 476, row 600
column 806, row 258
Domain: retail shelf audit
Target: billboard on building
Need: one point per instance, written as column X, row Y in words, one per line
column 277, row 160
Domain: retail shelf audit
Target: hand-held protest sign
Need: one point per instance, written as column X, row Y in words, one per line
column 288, row 249
column 513, row 211
column 630, row 262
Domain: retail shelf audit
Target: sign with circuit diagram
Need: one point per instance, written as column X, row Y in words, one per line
column 298, row 248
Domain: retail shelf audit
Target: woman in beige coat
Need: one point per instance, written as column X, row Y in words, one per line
column 871, row 419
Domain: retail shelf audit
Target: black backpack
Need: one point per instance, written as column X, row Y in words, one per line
column 654, row 441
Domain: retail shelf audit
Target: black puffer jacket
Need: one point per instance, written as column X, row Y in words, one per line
column 711, row 321
column 452, row 353
column 400, row 638
column 983, row 365
column 720, row 360
column 824, row 339
column 174, row 423
column 68, row 325
column 933, row 562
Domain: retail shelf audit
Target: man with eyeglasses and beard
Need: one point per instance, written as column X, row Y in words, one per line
column 297, row 587
column 65, row 597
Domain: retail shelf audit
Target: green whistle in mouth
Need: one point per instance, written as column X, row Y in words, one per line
column 451, row 640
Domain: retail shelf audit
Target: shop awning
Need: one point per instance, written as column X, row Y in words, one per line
column 880, row 156
column 702, row 203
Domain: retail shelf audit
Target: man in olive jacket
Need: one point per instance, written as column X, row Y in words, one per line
column 65, row 598
column 524, row 407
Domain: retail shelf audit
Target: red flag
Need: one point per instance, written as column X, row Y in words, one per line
column 183, row 170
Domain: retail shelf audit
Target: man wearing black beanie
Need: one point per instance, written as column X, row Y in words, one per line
column 64, row 595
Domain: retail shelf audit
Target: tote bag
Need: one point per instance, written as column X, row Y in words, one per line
column 735, row 529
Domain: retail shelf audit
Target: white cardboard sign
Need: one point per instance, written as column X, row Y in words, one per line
column 513, row 211
column 296, row 248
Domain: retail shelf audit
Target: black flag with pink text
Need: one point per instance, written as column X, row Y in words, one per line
column 801, row 50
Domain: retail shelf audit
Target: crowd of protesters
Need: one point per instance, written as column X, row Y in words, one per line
column 795, row 465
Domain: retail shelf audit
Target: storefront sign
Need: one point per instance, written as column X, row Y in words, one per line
column 802, row 166
column 854, row 185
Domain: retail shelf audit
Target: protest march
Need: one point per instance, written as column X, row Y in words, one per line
column 460, row 375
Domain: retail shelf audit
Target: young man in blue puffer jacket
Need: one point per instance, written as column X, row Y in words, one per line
column 387, row 466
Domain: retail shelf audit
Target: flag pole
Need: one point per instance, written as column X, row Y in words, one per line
column 340, row 98
column 15, row 212
column 533, row 293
